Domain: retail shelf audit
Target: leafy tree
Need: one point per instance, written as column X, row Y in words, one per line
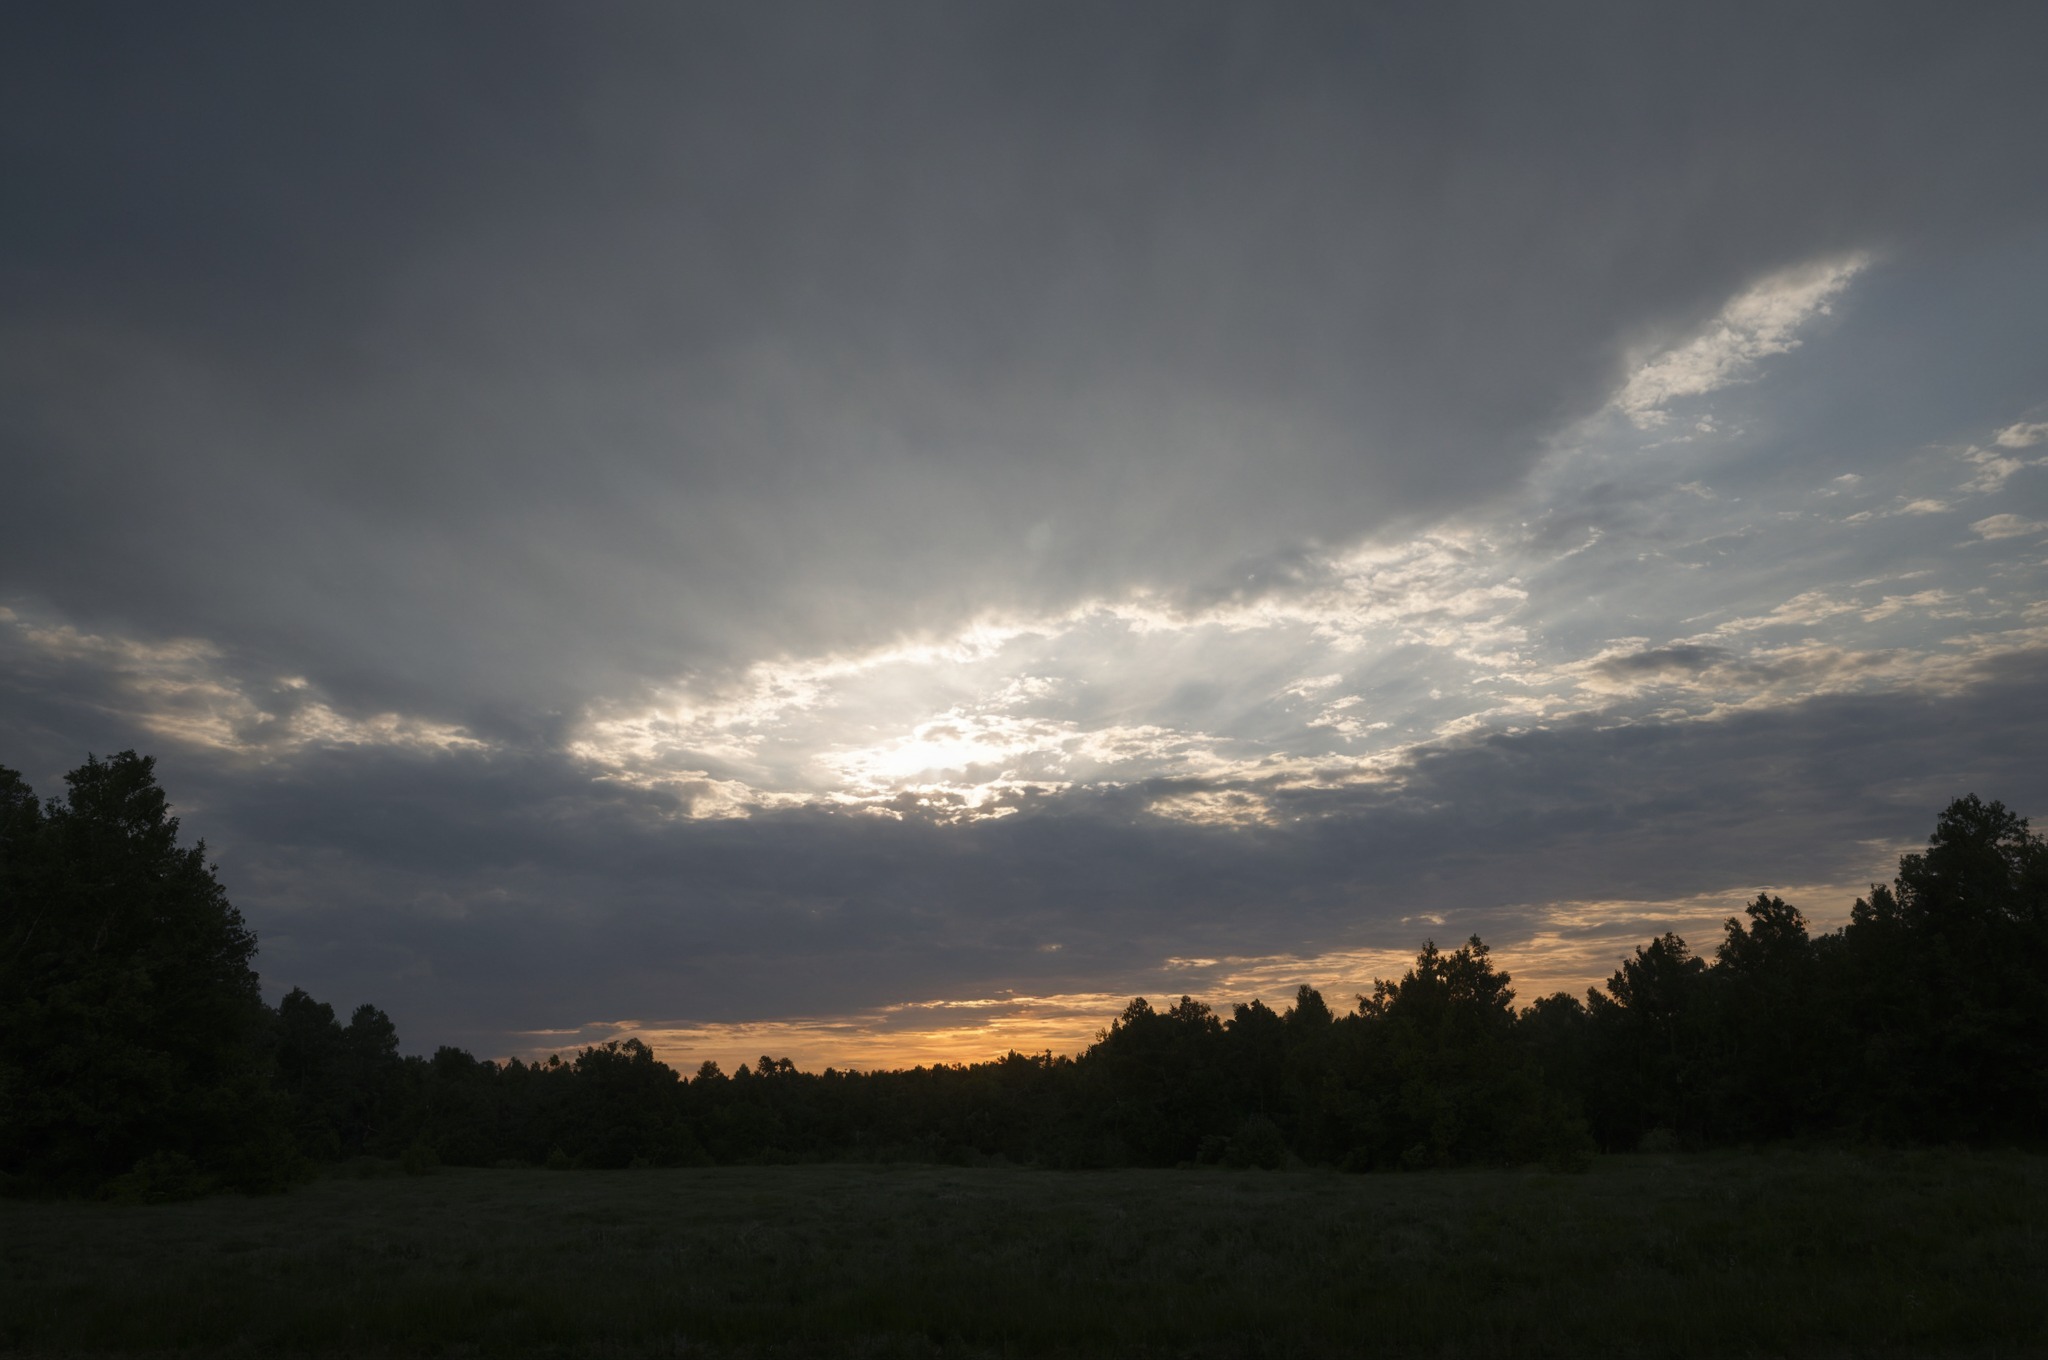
column 1764, row 1074
column 1775, row 939
column 371, row 1079
column 1256, row 1059
column 1982, row 866
column 629, row 1099
column 1944, row 988
column 1444, row 1079
column 1157, row 1076
column 1555, row 1035
column 309, row 1069
column 131, row 1018
column 1649, row 1032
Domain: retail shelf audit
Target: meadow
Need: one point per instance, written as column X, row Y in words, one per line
column 1815, row 1252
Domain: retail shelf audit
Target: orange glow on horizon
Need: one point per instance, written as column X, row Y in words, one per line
column 1575, row 946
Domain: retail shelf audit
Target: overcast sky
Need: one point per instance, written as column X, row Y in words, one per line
column 879, row 531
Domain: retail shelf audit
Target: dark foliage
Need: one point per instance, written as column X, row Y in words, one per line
column 137, row 1056
column 133, row 1039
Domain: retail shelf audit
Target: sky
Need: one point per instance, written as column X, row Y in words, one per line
column 875, row 533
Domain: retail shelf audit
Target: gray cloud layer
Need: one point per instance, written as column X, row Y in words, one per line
column 478, row 897
column 474, row 359
column 384, row 393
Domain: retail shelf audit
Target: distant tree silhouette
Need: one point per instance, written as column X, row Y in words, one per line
column 136, row 1056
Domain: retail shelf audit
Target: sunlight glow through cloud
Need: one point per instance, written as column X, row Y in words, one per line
column 1358, row 657
column 923, row 528
column 1235, row 715
column 1367, row 652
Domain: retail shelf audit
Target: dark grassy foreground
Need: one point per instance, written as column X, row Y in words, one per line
column 1790, row 1253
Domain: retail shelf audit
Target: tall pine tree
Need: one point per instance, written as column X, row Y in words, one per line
column 133, row 1037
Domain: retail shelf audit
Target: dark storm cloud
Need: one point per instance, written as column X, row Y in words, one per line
column 474, row 360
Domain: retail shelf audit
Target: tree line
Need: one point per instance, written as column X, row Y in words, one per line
column 138, row 1058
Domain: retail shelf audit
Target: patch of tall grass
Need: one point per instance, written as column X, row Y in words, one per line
column 1810, row 1252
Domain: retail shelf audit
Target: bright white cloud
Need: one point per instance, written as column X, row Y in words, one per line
column 1924, row 599
column 1992, row 471
column 1373, row 649
column 1803, row 610
column 1761, row 322
column 1553, row 605
column 1215, row 807
column 2007, row 526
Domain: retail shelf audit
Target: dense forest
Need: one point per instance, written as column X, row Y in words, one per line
column 138, row 1058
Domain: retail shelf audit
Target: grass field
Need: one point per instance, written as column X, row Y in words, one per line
column 1810, row 1253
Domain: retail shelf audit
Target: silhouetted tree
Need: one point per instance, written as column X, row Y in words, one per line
column 1444, row 1081
column 134, row 1050
column 1649, row 1033
column 1944, row 985
column 1255, row 1057
column 309, row 1068
column 1158, row 1076
column 1763, row 1071
column 133, row 1027
column 1555, row 1032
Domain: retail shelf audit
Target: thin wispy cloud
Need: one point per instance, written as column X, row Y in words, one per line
column 1764, row 320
